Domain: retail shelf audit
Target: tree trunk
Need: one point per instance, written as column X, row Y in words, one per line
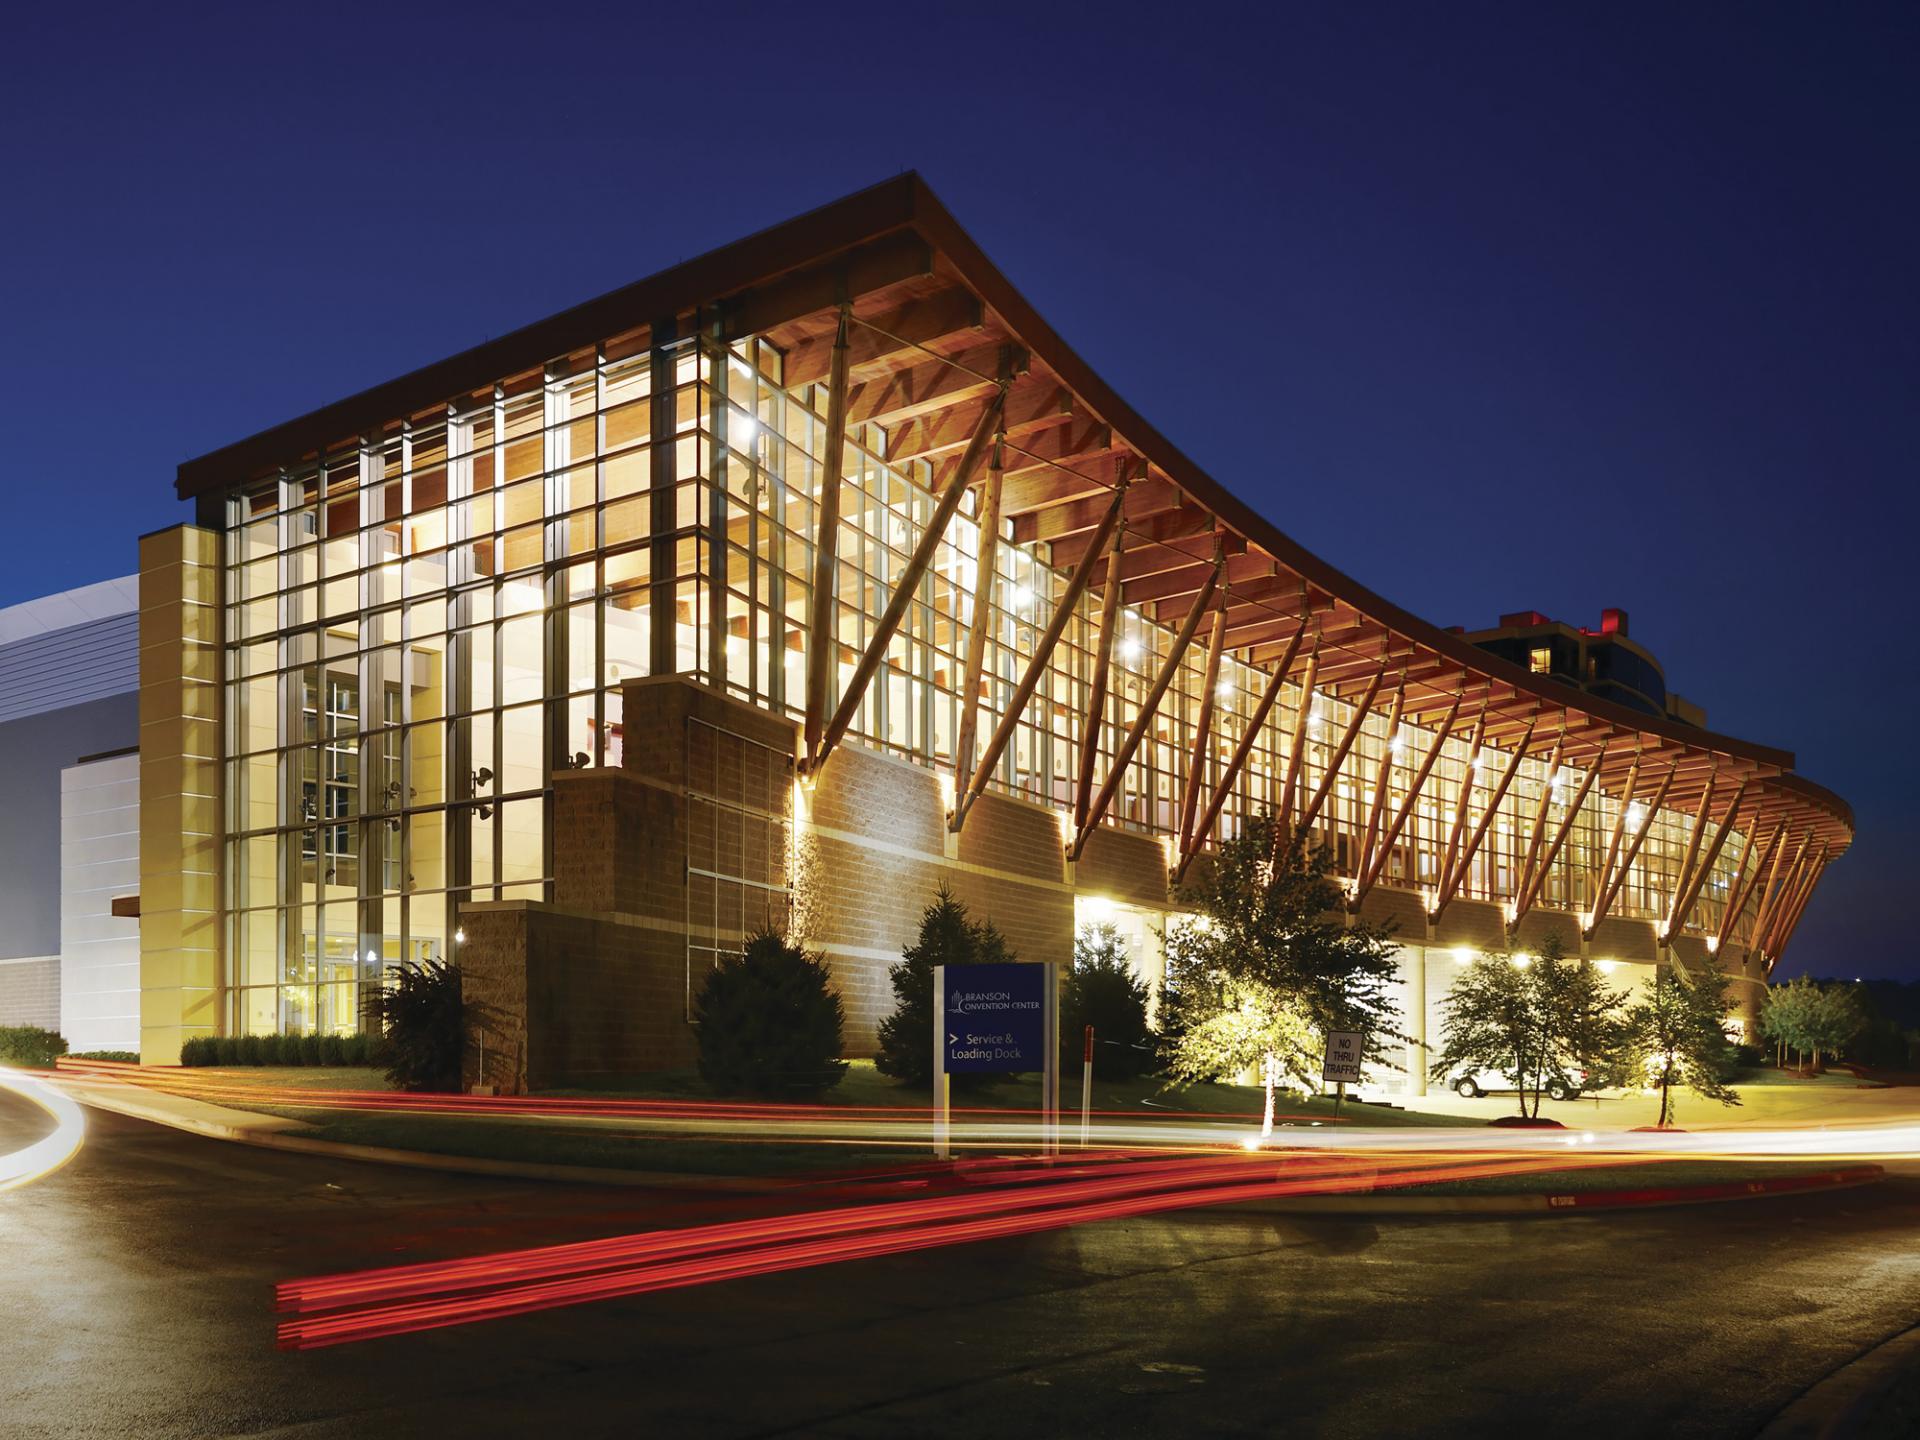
column 1666, row 1102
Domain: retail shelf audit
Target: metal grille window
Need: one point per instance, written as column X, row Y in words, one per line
column 739, row 844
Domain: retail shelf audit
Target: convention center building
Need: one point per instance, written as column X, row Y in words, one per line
column 786, row 585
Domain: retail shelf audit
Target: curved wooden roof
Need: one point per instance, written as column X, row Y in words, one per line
column 934, row 319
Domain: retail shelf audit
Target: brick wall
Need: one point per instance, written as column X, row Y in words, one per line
column 566, row 998
column 30, row 992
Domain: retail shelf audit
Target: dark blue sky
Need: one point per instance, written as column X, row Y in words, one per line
column 1493, row 307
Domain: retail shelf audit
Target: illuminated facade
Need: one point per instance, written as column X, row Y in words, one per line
column 423, row 613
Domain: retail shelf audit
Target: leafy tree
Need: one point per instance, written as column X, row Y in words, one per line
column 948, row 936
column 768, row 1022
column 1532, row 1018
column 1679, row 1034
column 1272, row 962
column 425, row 1019
column 1102, row 991
column 1811, row 1018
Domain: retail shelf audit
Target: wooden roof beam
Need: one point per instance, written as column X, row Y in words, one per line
column 1030, row 401
column 916, row 322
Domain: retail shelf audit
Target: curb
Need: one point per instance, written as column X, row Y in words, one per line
column 1844, row 1402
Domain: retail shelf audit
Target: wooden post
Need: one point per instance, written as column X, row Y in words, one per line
column 1092, row 722
column 1203, row 730
column 982, row 621
column 1462, row 803
column 1382, row 778
column 1283, row 810
column 823, row 640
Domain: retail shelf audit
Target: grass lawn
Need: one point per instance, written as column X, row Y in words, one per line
column 867, row 1088
column 1766, row 1075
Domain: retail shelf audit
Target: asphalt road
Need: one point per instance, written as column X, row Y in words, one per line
column 136, row 1300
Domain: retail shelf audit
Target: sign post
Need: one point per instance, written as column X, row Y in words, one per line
column 995, row 1018
column 1086, row 1089
column 1342, row 1062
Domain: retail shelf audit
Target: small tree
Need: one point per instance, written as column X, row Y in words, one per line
column 1102, row 991
column 425, row 1019
column 1531, row 1018
column 948, row 936
column 1271, row 963
column 1679, row 1033
column 768, row 1022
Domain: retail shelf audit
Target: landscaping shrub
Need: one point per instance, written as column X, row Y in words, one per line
column 425, row 1019
column 124, row 1057
column 269, row 1050
column 769, row 1023
column 29, row 1045
column 947, row 937
column 1102, row 991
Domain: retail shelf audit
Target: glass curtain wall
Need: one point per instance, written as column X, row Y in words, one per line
column 423, row 625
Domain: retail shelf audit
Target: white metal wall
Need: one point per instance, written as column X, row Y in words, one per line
column 99, row 860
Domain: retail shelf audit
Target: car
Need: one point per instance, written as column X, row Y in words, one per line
column 1472, row 1084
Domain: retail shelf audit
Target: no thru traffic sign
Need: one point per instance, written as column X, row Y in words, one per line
column 1343, row 1055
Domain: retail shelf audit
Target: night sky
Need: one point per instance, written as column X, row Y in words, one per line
column 1493, row 308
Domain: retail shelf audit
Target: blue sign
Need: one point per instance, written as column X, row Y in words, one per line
column 995, row 1017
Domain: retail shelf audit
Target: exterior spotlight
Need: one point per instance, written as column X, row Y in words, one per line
column 1462, row 955
column 460, row 937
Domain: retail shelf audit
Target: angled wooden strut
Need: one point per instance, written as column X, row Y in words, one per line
column 1687, row 894
column 1743, row 882
column 1462, row 803
column 1689, row 855
column 1142, row 722
column 822, row 631
column 1203, row 728
column 1224, row 788
column 1283, row 806
column 1382, row 777
column 1371, row 874
column 1351, row 734
column 1063, row 612
column 909, row 579
column 1597, row 879
column 984, row 571
column 1790, row 905
column 1536, row 880
column 1537, row 829
column 1450, row 885
column 1770, row 892
column 1791, row 920
column 1612, row 888
column 1093, row 722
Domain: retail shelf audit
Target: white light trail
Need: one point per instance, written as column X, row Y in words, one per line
column 49, row 1153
